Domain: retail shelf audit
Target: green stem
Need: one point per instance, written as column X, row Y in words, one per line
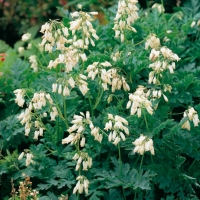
column 136, row 161
column 162, row 3
column 139, row 42
column 59, row 112
column 135, row 196
column 151, row 159
column 145, row 119
column 65, row 112
column 141, row 163
column 103, row 132
column 147, row 2
column 49, row 149
column 92, row 111
column 79, row 171
column 39, row 51
column 120, row 159
column 120, row 164
column 191, row 165
column 98, row 100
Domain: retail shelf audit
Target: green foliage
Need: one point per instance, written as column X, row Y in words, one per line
column 117, row 171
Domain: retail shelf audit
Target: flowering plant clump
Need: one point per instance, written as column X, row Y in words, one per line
column 105, row 111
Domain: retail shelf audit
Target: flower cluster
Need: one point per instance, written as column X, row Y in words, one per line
column 38, row 101
column 54, row 34
column 156, row 94
column 34, row 64
column 19, row 93
column 82, row 185
column 56, row 37
column 116, row 55
column 29, row 157
column 95, row 133
column 163, row 59
column 194, row 23
column 139, row 100
column 117, row 126
column 107, row 77
column 83, row 158
column 126, row 15
column 159, row 7
column 152, row 41
column 64, row 87
column 192, row 115
column 76, row 131
column 142, row 144
column 82, row 84
column 69, row 58
column 83, row 23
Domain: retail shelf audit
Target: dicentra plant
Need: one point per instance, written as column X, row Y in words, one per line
column 112, row 111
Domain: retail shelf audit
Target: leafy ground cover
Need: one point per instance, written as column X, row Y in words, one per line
column 91, row 111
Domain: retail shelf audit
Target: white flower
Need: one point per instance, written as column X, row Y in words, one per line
column 193, row 24
column 116, row 141
column 165, row 98
column 21, row 156
column 126, row 15
column 36, row 134
column 26, row 37
column 29, row 157
column 159, row 7
column 106, row 64
column 195, row 120
column 71, row 82
column 33, row 61
column 116, row 124
column 66, row 91
column 54, row 87
column 68, row 139
column 186, row 125
column 81, row 185
column 138, row 100
column 192, row 115
column 154, row 55
column 169, row 31
column 53, row 113
column 153, row 42
column 21, row 50
column 49, row 98
column 143, row 144
column 59, row 89
column 19, row 93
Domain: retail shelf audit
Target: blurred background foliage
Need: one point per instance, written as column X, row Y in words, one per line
column 16, row 16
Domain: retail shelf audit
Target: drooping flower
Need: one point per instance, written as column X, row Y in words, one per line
column 159, row 7
column 34, row 64
column 125, row 17
column 139, row 100
column 143, row 144
column 84, row 159
column 26, row 36
column 82, row 185
column 192, row 116
column 77, row 129
column 29, row 160
column 19, row 93
column 153, row 42
column 118, row 128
